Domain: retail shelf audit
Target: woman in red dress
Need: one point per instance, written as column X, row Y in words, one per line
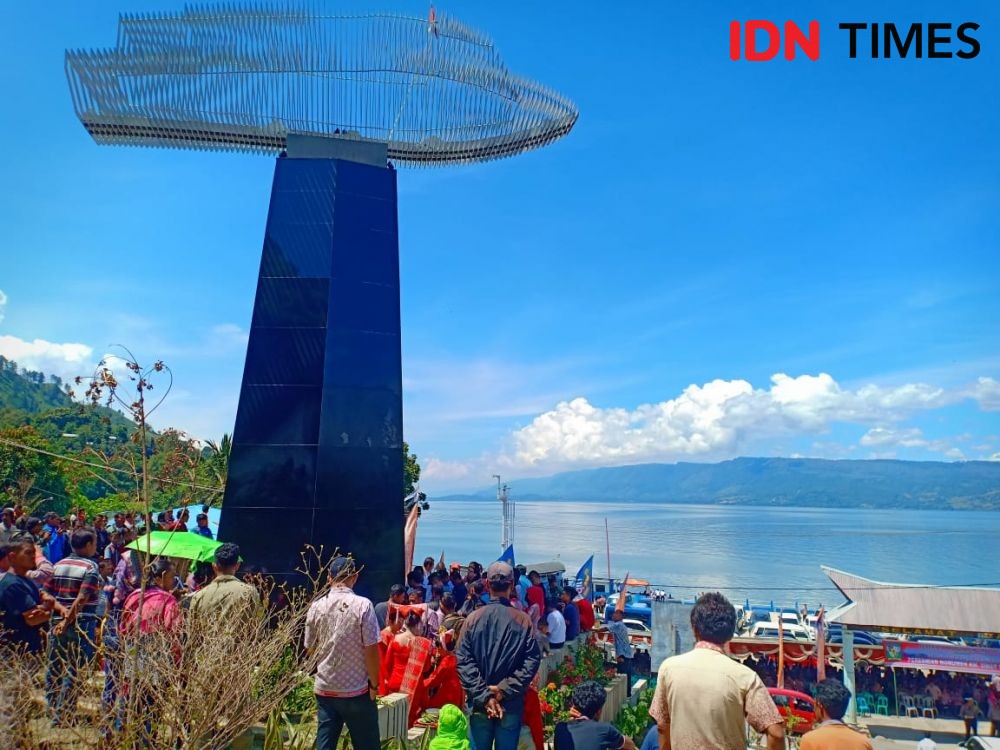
column 408, row 658
column 393, row 623
column 443, row 685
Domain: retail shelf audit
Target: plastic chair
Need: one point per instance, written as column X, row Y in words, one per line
column 929, row 709
column 864, row 709
column 909, row 706
column 881, row 705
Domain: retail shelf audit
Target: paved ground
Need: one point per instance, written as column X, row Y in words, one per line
column 902, row 732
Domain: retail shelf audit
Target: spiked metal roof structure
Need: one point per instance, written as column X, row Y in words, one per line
column 244, row 77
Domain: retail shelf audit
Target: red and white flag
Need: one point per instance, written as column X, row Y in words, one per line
column 432, row 22
column 410, row 539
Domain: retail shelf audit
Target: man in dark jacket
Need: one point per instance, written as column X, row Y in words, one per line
column 498, row 657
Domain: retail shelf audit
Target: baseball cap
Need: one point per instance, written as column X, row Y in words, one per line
column 499, row 572
column 456, row 566
column 342, row 567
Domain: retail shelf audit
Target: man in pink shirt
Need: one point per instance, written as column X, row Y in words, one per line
column 343, row 629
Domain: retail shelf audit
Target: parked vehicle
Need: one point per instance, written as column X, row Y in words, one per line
column 799, row 705
column 936, row 639
column 769, row 631
column 861, row 638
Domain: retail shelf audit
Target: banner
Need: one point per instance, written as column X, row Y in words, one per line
column 585, row 580
column 507, row 556
column 942, row 657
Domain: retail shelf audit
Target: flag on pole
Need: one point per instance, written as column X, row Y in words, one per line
column 585, row 580
column 820, row 645
column 620, row 604
column 410, row 539
column 432, row 22
column 781, row 653
column 507, row 556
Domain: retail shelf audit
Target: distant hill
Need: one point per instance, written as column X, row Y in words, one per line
column 30, row 398
column 30, row 391
column 803, row 482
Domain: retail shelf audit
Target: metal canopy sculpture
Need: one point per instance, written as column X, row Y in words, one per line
column 244, row 78
column 317, row 452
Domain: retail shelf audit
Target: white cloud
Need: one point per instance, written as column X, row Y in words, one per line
column 717, row 419
column 987, row 392
column 3, row 305
column 445, row 471
column 912, row 437
column 66, row 360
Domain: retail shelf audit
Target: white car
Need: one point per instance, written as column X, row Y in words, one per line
column 637, row 627
column 769, row 631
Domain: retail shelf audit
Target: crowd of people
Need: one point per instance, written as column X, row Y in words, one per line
column 459, row 635
column 467, row 638
column 71, row 588
column 952, row 695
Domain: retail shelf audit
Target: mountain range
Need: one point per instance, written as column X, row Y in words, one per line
column 781, row 482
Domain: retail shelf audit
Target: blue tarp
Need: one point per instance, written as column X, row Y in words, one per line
column 214, row 516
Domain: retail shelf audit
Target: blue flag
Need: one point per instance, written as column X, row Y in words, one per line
column 585, row 580
column 507, row 556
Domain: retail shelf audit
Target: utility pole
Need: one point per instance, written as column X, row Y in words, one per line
column 507, row 510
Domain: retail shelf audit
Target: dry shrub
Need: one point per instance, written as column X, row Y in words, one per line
column 200, row 688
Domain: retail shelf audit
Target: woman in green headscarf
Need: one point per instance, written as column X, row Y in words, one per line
column 453, row 730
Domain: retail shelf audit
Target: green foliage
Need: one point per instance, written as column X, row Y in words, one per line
column 282, row 733
column 36, row 410
column 28, row 477
column 302, row 700
column 411, row 470
column 585, row 665
column 634, row 721
column 29, row 391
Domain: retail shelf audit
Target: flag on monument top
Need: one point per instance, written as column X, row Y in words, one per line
column 432, row 21
column 585, row 580
column 507, row 556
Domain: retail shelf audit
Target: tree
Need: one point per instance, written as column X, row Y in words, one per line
column 29, row 477
column 411, row 470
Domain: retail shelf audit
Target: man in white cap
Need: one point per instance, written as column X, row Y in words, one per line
column 498, row 657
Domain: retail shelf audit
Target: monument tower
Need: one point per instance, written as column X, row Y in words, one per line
column 339, row 99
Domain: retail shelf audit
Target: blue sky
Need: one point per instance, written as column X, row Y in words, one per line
column 723, row 258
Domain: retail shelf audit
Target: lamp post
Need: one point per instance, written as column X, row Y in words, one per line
column 507, row 513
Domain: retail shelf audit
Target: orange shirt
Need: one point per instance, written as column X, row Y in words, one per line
column 835, row 736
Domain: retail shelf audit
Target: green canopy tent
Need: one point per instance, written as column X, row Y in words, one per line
column 179, row 544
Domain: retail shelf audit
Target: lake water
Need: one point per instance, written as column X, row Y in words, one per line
column 755, row 552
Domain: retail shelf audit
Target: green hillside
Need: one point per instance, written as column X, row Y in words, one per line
column 38, row 417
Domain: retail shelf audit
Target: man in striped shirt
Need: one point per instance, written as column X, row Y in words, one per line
column 75, row 584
